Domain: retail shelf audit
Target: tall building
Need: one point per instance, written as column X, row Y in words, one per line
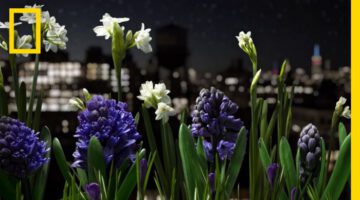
column 316, row 63
column 172, row 52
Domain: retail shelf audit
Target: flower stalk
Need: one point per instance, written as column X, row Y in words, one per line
column 33, row 91
column 118, row 54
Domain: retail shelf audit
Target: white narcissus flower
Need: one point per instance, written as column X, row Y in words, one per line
column 54, row 34
column 108, row 23
column 146, row 94
column 30, row 17
column 244, row 39
column 56, row 38
column 153, row 95
column 161, row 93
column 5, row 25
column 163, row 111
column 157, row 97
column 24, row 42
column 143, row 39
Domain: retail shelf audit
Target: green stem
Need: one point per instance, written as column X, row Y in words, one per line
column 118, row 78
column 253, row 144
column 254, row 68
column 14, row 74
column 33, row 91
column 334, row 124
column 118, row 52
column 26, row 189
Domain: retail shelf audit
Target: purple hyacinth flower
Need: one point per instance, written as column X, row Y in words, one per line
column 310, row 152
column 114, row 127
column 143, row 169
column 93, row 190
column 271, row 172
column 21, row 150
column 214, row 120
column 211, row 178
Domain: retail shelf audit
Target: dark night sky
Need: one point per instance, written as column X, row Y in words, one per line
column 280, row 28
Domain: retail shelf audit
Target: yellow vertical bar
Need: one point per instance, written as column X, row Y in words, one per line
column 355, row 100
column 38, row 32
column 11, row 29
column 37, row 13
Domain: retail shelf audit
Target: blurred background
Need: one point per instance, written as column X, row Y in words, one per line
column 194, row 47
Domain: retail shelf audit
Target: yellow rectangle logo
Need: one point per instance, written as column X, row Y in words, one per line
column 37, row 13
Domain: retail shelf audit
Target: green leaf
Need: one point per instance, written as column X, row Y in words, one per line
column 183, row 116
column 61, row 160
column 137, row 118
column 323, row 168
column 264, row 154
column 41, row 175
column 287, row 163
column 36, row 122
column 128, row 184
column 1, row 77
column 19, row 195
column 341, row 172
column 95, row 159
column 342, row 133
column 282, row 75
column 153, row 146
column 22, row 102
column 7, row 186
column 288, row 123
column 201, row 154
column 255, row 80
column 190, row 162
column 150, row 164
column 81, row 174
column 263, row 120
column 271, row 126
column 168, row 149
column 3, row 102
column 236, row 162
column 297, row 161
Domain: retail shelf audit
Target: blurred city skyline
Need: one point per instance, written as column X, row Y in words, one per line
column 281, row 29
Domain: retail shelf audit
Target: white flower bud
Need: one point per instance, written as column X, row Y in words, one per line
column 346, row 112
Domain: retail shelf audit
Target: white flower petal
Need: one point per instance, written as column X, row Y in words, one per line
column 107, row 25
column 5, row 25
column 163, row 111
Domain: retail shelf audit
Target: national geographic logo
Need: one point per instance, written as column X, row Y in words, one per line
column 37, row 13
